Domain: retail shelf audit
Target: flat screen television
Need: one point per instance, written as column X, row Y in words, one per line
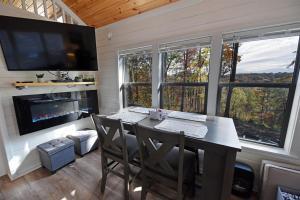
column 36, row 45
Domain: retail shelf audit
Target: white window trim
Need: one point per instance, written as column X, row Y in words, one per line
column 156, row 76
column 121, row 68
column 214, row 72
column 268, row 32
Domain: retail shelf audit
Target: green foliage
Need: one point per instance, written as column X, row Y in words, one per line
column 258, row 111
column 255, row 110
column 186, row 66
column 190, row 65
column 138, row 68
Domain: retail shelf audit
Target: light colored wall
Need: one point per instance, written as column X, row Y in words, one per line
column 2, row 159
column 18, row 153
column 188, row 19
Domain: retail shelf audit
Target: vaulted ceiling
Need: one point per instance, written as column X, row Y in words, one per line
column 99, row 13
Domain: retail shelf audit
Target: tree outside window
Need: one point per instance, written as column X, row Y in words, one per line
column 257, row 85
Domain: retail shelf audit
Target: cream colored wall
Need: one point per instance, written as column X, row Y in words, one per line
column 187, row 19
column 18, row 153
column 2, row 160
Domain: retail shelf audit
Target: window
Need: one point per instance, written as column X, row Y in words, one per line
column 185, row 67
column 257, row 85
column 137, row 89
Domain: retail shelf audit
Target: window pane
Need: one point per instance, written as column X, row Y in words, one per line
column 226, row 65
column 258, row 113
column 271, row 60
column 222, row 101
column 139, row 95
column 252, row 92
column 190, row 65
column 138, row 89
column 138, row 68
column 184, row 98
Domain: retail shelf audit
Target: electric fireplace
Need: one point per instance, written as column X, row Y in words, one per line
column 41, row 111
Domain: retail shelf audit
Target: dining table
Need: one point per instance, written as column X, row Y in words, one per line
column 218, row 139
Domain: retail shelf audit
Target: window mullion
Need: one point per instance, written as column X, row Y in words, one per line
column 214, row 72
column 156, row 76
column 163, row 62
column 290, row 99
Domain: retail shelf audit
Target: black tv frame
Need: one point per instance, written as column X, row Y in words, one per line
column 26, row 20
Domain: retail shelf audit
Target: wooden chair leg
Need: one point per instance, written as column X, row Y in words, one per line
column 104, row 173
column 126, row 182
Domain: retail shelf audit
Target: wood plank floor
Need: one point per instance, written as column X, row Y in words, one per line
column 79, row 180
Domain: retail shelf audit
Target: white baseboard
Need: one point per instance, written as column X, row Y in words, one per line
column 24, row 171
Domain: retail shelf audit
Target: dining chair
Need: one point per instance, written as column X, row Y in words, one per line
column 115, row 144
column 165, row 162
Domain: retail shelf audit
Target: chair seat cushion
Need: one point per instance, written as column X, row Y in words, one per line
column 172, row 157
column 188, row 162
column 132, row 145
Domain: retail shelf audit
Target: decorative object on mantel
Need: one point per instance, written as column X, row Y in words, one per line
column 78, row 78
column 88, row 78
column 22, row 85
column 39, row 78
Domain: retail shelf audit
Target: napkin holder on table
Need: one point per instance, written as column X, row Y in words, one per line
column 156, row 115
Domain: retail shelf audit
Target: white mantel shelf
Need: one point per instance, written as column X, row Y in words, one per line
column 20, row 85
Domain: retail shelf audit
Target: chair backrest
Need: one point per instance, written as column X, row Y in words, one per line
column 107, row 130
column 154, row 147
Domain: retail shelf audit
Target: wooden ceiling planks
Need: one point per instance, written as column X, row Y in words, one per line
column 99, row 13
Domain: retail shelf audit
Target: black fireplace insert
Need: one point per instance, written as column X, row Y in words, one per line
column 41, row 111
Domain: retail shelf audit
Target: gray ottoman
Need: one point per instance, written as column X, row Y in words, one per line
column 56, row 153
column 85, row 141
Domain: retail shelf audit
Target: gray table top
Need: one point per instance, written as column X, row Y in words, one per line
column 221, row 132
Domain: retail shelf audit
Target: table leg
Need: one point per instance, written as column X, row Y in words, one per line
column 218, row 175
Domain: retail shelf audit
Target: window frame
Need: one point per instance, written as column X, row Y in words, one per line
column 124, row 84
column 183, row 85
column 231, row 85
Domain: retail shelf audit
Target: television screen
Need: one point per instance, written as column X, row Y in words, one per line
column 47, row 46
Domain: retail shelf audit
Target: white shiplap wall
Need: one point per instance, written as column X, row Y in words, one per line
column 18, row 154
column 187, row 19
